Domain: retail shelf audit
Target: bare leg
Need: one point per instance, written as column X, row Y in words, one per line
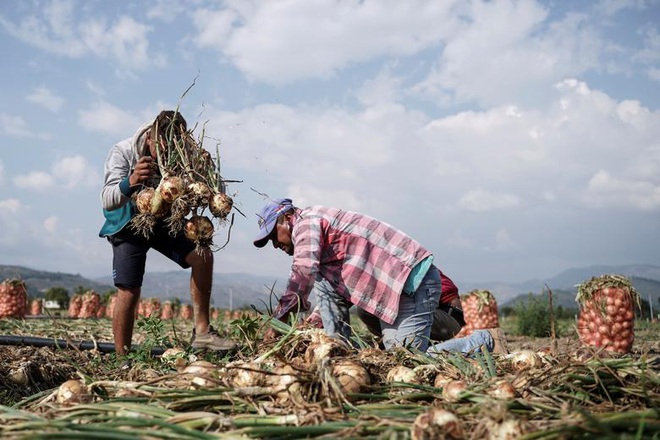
column 123, row 318
column 201, row 280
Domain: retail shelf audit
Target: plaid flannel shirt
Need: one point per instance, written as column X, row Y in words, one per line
column 367, row 261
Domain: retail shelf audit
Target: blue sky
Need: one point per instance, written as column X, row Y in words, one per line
column 514, row 139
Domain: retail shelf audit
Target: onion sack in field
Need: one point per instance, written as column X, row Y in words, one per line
column 606, row 317
column 187, row 192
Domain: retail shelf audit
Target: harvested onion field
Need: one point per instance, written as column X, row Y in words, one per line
column 304, row 386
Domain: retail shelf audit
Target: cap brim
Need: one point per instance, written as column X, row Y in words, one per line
column 261, row 242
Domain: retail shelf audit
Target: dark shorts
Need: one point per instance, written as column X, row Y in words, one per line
column 129, row 252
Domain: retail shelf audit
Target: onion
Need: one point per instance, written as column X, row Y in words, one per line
column 441, row 380
column 503, row 389
column 401, row 373
column 171, row 188
column 322, row 349
column 199, row 194
column 246, row 374
column 452, row 391
column 174, row 356
column 220, row 205
column 436, row 423
column 525, row 359
column 73, row 391
column 202, row 374
column 199, row 230
column 351, row 375
column 285, row 384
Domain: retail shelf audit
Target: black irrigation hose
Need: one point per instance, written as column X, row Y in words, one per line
column 104, row 347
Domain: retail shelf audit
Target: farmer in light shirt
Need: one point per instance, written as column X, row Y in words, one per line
column 348, row 259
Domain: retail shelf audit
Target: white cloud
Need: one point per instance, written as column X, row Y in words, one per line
column 604, row 190
column 107, row 118
column 61, row 29
column 14, row 126
column 46, row 98
column 50, row 224
column 278, row 42
column 12, row 228
column 67, row 173
column 482, row 61
column 75, row 171
column 10, row 206
column 35, row 180
column 479, row 200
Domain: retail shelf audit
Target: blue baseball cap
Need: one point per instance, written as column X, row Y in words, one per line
column 268, row 218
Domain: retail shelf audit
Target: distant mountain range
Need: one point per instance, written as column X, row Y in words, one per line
column 236, row 290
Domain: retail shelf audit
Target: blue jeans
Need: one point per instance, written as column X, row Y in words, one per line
column 412, row 327
column 465, row 345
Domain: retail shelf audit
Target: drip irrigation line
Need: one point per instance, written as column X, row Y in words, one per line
column 33, row 341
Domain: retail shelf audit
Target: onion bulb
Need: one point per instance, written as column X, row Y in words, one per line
column 401, row 373
column 73, row 391
column 246, row 374
column 352, row 376
column 452, row 391
column 199, row 230
column 199, row 194
column 525, row 359
column 171, row 188
column 285, row 384
column 436, row 423
column 220, row 205
column 502, row 389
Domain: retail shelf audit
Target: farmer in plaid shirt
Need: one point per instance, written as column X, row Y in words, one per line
column 348, row 259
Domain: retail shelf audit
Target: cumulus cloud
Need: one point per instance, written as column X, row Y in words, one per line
column 15, row 126
column 278, row 42
column 605, row 190
column 479, row 200
column 61, row 29
column 481, row 62
column 67, row 173
column 50, row 224
column 46, row 98
column 107, row 118
column 35, row 180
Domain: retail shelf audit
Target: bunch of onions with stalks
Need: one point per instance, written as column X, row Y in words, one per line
column 606, row 316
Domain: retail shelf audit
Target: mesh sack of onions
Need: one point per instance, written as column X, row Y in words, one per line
column 89, row 307
column 13, row 299
column 110, row 309
column 167, row 311
column 36, row 307
column 186, row 311
column 479, row 311
column 606, row 316
column 74, row 305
